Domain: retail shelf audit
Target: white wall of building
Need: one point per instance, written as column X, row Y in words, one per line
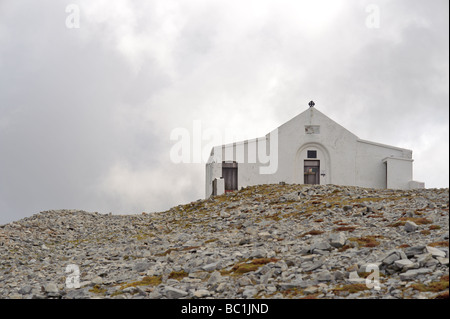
column 371, row 168
column 344, row 158
column 398, row 172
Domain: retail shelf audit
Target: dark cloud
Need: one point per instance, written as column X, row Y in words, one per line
column 86, row 114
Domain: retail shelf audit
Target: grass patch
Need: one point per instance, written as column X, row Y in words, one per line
column 397, row 224
column 344, row 248
column 168, row 251
column 243, row 268
column 345, row 228
column 275, row 217
column 439, row 243
column 116, row 293
column 417, row 220
column 97, row 289
column 434, row 227
column 436, row 286
column 263, row 261
column 292, row 293
column 312, row 232
column 375, row 216
column 178, row 275
column 313, row 296
column 443, row 295
column 146, row 281
column 356, row 202
column 142, row 235
column 351, row 288
column 368, row 241
column 295, row 293
column 421, row 220
column 248, row 266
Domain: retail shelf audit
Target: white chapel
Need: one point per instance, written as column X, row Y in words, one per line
column 309, row 149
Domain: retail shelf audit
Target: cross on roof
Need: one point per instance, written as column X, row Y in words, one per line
column 311, row 104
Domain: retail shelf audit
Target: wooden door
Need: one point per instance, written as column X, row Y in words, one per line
column 312, row 172
column 230, row 176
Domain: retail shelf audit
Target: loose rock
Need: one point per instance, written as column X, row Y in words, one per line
column 411, row 226
column 268, row 241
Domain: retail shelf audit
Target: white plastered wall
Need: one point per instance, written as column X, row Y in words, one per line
column 344, row 158
column 398, row 172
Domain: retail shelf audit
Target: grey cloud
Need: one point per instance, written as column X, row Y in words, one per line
column 86, row 115
column 60, row 102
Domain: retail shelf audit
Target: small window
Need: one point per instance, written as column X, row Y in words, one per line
column 312, row 154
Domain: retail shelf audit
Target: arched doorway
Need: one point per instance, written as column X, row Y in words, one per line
column 313, row 164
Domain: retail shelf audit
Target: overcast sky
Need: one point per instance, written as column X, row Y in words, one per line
column 86, row 110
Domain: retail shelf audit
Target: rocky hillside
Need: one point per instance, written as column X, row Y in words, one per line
column 268, row 241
